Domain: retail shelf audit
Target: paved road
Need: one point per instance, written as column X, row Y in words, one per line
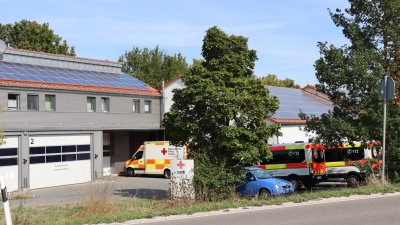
column 371, row 209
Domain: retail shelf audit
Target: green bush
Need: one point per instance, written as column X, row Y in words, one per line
column 214, row 180
column 392, row 165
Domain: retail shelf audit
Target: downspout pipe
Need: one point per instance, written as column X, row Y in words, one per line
column 163, row 106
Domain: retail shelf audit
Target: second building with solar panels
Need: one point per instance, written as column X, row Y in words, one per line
column 70, row 120
column 291, row 101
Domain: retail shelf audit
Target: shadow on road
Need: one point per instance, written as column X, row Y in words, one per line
column 141, row 193
column 123, row 174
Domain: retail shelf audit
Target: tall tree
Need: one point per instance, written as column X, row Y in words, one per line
column 30, row 35
column 222, row 110
column 350, row 75
column 273, row 80
column 153, row 66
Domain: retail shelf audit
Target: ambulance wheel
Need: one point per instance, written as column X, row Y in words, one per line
column 353, row 180
column 294, row 180
column 131, row 172
column 167, row 174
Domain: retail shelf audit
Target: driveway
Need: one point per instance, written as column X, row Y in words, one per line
column 113, row 188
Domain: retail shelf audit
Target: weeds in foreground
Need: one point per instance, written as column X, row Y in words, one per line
column 13, row 196
column 97, row 199
column 99, row 207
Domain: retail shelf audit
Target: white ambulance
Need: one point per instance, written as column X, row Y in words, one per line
column 154, row 157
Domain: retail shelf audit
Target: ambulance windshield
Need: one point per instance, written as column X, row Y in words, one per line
column 138, row 155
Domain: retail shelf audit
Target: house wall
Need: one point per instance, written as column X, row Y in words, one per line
column 121, row 150
column 291, row 134
column 177, row 84
column 71, row 116
column 71, row 111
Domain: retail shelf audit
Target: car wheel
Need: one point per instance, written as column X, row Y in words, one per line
column 131, row 172
column 353, row 180
column 264, row 194
column 167, row 174
column 295, row 182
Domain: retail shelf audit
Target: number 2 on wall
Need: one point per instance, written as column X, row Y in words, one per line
column 32, row 141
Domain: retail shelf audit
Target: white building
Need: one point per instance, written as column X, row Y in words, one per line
column 292, row 100
column 70, row 120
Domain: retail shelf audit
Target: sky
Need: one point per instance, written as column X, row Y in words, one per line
column 284, row 33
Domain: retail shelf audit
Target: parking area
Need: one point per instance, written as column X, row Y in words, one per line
column 113, row 187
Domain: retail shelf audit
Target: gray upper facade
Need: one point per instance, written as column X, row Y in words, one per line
column 41, row 91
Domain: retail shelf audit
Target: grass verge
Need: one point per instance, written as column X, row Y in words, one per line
column 99, row 208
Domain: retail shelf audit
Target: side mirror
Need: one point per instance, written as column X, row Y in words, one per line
column 251, row 178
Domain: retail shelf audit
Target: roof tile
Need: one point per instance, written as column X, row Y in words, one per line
column 22, row 83
column 169, row 82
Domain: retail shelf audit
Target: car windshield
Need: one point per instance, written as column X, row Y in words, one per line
column 262, row 174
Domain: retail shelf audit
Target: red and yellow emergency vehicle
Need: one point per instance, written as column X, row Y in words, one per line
column 153, row 157
column 299, row 163
column 340, row 161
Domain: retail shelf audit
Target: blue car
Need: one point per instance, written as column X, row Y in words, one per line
column 259, row 182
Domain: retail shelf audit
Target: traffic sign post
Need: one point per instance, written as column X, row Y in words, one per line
column 386, row 90
column 6, row 203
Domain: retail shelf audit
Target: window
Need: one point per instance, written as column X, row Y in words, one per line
column 136, row 105
column 105, row 104
column 33, row 102
column 147, row 106
column 50, row 102
column 51, row 154
column 285, row 156
column 318, row 156
column 333, row 155
column 13, row 101
column 8, row 157
column 344, row 154
column 138, row 155
column 106, row 151
column 91, row 104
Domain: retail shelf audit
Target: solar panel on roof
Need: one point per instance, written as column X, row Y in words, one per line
column 28, row 72
column 291, row 101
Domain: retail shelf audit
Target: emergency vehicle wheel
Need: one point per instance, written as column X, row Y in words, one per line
column 131, row 172
column 353, row 180
column 167, row 174
column 295, row 182
column 264, row 194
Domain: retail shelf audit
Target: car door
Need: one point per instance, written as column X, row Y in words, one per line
column 249, row 187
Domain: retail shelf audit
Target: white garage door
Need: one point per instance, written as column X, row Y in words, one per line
column 59, row 160
column 9, row 163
